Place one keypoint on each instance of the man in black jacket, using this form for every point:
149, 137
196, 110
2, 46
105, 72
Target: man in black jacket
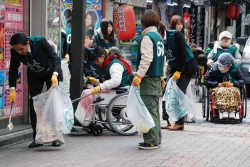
43, 65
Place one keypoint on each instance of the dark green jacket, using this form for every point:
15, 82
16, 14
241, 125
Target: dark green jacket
40, 62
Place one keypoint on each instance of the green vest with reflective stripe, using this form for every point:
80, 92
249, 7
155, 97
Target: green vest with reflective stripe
156, 66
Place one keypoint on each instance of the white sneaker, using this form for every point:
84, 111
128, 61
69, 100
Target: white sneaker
231, 114
224, 115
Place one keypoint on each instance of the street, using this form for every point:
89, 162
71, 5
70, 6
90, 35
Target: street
200, 144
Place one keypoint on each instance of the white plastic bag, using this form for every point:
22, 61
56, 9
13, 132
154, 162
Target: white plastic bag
177, 103
137, 112
65, 84
55, 115
84, 107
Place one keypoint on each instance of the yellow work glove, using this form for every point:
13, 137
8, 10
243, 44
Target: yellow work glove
163, 84
12, 96
92, 80
96, 90
176, 75
136, 81
67, 57
54, 80
107, 51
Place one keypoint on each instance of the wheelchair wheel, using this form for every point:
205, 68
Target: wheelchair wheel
205, 103
244, 102
199, 93
117, 118
96, 129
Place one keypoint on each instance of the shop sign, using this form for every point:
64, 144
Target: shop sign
193, 24
136, 3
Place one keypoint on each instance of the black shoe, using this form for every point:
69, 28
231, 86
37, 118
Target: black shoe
146, 146
33, 144
141, 144
165, 116
56, 144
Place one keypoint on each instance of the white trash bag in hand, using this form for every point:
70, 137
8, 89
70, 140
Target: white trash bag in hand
55, 115
137, 112
177, 103
65, 84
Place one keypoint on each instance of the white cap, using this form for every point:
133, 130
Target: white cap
225, 34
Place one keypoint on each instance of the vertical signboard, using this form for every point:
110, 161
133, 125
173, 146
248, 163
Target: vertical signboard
193, 24
201, 27
11, 21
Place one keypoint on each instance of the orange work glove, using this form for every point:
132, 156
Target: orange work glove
176, 75
96, 90
54, 80
67, 57
163, 84
92, 80
136, 81
12, 96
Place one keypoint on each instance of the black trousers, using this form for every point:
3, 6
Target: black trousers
182, 83
35, 85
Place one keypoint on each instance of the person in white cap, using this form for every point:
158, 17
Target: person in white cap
224, 75
224, 46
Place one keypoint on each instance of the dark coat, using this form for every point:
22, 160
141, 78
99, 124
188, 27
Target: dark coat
42, 60
215, 76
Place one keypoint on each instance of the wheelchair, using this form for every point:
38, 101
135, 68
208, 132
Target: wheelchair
109, 113
210, 111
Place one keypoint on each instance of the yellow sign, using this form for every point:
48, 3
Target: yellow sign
13, 2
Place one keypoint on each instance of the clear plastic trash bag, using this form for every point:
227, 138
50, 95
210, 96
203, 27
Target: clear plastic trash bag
55, 115
137, 112
65, 84
177, 103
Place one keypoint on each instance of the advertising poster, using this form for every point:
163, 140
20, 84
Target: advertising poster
93, 17
18, 106
11, 21
1, 94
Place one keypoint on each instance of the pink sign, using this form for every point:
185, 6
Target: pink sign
11, 21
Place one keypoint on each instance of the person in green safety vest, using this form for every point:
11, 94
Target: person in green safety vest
181, 60
66, 40
224, 46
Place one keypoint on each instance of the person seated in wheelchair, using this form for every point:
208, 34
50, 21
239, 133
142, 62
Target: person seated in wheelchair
225, 79
116, 71
224, 46
93, 74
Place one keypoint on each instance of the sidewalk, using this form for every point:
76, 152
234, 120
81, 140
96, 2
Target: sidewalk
200, 144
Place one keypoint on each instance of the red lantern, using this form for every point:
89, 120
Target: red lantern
233, 12
124, 22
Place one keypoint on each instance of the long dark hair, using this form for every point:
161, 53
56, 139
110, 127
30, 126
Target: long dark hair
104, 29
94, 18
162, 29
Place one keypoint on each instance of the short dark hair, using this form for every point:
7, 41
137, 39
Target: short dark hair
104, 29
18, 38
150, 18
90, 33
67, 13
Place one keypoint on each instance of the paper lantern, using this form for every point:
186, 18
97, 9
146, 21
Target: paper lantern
233, 12
124, 22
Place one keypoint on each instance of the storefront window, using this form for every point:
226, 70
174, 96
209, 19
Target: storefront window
54, 24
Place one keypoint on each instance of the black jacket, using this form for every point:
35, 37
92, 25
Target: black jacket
215, 76
42, 61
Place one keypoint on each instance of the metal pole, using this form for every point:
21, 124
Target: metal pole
179, 8
77, 49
